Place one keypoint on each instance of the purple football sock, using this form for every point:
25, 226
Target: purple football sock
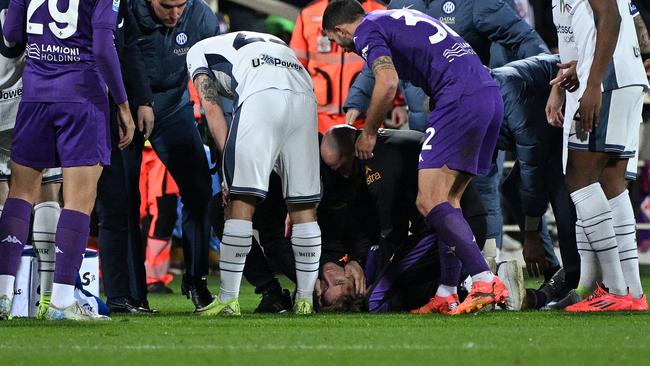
449, 266
14, 233
71, 240
453, 229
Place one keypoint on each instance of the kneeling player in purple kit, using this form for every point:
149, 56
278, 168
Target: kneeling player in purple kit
467, 111
62, 121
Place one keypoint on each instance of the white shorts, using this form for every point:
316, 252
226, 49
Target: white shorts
274, 130
618, 131
620, 120
8, 111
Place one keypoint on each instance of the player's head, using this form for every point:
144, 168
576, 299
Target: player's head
337, 148
340, 20
337, 291
169, 12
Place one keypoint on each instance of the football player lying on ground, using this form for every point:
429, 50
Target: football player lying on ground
389, 181
461, 140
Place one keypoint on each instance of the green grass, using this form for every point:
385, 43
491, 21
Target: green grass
177, 337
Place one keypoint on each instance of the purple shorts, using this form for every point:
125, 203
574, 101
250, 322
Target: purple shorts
463, 134
49, 135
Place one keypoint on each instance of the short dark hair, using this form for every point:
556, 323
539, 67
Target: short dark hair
345, 304
342, 12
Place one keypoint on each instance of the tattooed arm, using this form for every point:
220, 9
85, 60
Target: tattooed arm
209, 97
643, 33
386, 81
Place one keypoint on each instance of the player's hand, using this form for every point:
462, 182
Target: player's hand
534, 254
399, 117
351, 116
647, 68
126, 125
590, 108
365, 145
569, 78
224, 194
145, 120
554, 105
288, 226
353, 269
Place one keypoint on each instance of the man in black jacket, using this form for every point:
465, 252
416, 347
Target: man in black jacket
118, 201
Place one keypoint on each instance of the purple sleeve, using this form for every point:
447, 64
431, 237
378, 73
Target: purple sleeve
14, 27
108, 64
370, 42
105, 14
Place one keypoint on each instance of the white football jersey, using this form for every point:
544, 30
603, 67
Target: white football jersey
576, 27
244, 63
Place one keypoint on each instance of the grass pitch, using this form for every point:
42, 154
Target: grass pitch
175, 337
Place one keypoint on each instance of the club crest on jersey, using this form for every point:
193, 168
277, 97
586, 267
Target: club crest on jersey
449, 7
633, 9
116, 5
181, 38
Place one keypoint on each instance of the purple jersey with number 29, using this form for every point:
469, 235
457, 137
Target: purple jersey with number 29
425, 52
60, 66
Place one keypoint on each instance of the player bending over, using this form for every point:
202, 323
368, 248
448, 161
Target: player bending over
274, 128
463, 125
62, 121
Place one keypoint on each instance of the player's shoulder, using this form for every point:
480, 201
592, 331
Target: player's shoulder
199, 10
400, 138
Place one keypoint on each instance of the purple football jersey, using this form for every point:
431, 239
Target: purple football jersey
425, 52
60, 66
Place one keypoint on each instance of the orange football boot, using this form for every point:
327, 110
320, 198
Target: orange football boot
483, 294
439, 305
640, 304
601, 300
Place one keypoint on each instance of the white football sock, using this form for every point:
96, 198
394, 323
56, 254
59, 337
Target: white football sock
7, 285
486, 276
625, 229
593, 210
46, 217
589, 266
444, 290
306, 243
235, 246
62, 295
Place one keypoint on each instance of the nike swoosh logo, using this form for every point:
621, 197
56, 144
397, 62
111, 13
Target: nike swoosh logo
573, 134
121, 24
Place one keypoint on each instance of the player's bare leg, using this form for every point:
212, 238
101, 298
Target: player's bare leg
584, 171
46, 217
236, 243
14, 229
306, 243
79, 193
438, 200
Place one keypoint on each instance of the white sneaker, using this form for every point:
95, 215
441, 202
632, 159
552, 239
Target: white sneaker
73, 312
5, 307
512, 275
